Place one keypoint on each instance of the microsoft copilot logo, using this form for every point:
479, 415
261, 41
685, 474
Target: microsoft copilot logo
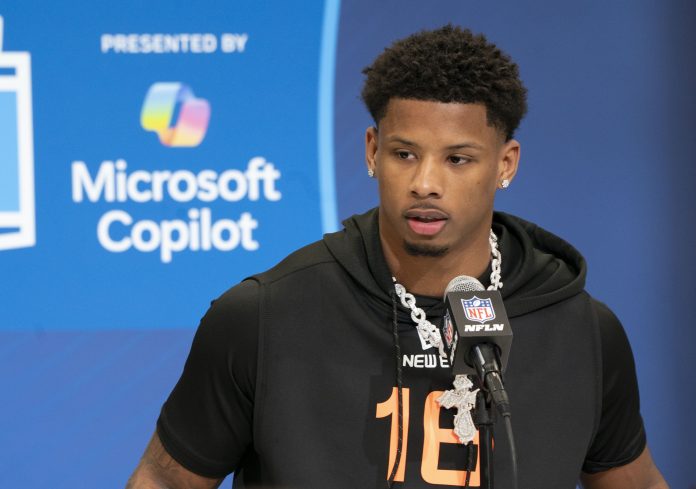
173, 112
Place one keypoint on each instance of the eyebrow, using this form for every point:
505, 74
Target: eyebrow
406, 142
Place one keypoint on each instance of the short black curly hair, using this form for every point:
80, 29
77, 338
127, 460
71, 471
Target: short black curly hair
448, 64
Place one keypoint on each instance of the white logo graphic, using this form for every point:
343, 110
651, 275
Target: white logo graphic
17, 219
118, 231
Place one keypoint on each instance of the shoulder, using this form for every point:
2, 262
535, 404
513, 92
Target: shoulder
240, 300
226, 341
611, 332
618, 366
305, 259
619, 436
239, 305
205, 424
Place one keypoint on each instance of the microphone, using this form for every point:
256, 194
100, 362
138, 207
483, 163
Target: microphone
477, 336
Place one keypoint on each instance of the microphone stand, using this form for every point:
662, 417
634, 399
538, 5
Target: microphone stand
483, 419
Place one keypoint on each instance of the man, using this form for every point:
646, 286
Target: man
313, 374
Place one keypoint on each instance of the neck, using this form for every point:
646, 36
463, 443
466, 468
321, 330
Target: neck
428, 276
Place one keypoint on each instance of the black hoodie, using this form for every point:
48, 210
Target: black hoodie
291, 379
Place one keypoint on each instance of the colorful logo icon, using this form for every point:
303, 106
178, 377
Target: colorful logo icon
479, 310
172, 111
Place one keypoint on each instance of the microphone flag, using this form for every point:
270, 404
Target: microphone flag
473, 318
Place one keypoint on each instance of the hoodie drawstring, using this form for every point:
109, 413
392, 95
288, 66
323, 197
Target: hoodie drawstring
399, 387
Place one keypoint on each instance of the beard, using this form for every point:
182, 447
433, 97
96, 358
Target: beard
418, 249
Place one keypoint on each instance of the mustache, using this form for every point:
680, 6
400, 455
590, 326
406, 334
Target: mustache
425, 209
424, 206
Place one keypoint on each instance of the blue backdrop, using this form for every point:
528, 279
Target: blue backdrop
146, 208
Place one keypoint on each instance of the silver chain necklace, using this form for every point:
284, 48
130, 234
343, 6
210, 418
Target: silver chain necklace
461, 397
427, 332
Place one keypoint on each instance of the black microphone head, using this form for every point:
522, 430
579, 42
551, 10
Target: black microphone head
474, 316
463, 283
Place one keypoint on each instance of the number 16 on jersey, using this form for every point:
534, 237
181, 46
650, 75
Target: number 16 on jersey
433, 438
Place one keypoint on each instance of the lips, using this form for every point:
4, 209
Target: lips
426, 222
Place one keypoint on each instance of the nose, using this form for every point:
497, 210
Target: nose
427, 179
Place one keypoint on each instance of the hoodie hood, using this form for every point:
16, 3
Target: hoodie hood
538, 268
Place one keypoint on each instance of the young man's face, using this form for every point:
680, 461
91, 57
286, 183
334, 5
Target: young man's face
438, 166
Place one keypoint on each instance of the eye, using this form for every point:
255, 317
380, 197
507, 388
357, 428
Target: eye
458, 160
402, 154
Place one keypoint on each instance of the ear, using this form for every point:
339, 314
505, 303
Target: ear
371, 148
508, 161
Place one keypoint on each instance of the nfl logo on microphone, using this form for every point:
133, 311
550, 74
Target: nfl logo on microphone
479, 310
